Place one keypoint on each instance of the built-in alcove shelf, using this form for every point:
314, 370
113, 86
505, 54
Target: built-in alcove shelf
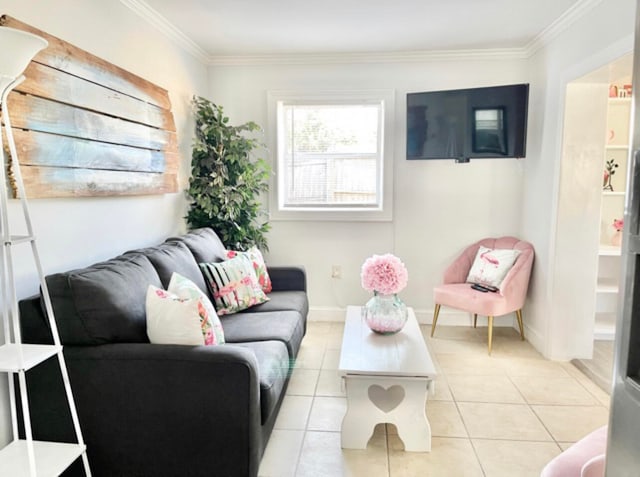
609, 250
614, 165
605, 326
616, 147
607, 286
620, 100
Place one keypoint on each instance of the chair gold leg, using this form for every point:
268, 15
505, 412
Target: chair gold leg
519, 316
436, 311
490, 332
475, 319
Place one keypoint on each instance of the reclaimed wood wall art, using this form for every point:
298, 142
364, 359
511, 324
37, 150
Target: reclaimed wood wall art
85, 127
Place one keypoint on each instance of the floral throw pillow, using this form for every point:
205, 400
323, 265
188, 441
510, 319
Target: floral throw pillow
259, 266
491, 266
187, 290
175, 320
233, 284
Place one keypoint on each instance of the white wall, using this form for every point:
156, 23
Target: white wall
77, 232
601, 35
439, 206
579, 198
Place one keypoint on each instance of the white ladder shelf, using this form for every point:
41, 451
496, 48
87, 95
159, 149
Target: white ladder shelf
27, 457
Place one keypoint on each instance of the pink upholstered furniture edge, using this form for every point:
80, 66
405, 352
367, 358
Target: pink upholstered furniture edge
585, 458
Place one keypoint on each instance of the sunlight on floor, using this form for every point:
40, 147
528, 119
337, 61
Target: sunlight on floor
503, 415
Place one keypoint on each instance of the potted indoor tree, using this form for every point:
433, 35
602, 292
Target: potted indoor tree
226, 179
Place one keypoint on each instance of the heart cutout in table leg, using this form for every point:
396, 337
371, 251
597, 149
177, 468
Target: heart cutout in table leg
386, 399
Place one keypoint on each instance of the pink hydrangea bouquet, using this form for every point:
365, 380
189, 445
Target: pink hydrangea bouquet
384, 274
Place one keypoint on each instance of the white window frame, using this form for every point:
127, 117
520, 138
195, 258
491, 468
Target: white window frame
380, 212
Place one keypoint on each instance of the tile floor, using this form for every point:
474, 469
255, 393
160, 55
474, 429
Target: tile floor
600, 367
504, 415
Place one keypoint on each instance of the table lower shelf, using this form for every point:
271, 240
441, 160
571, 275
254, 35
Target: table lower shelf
52, 458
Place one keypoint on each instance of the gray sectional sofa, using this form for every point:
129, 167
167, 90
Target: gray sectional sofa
163, 410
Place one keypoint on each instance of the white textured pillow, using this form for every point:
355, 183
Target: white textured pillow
492, 265
186, 317
187, 290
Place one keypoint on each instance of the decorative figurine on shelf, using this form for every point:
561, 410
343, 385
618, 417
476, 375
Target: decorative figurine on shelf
613, 91
616, 238
609, 170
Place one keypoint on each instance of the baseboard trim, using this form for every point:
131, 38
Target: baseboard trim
535, 338
424, 317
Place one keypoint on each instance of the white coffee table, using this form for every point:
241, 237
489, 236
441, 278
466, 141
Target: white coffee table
387, 378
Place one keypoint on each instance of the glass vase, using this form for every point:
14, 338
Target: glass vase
616, 238
385, 314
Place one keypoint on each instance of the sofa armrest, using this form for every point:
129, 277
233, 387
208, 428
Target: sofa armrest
288, 278
160, 410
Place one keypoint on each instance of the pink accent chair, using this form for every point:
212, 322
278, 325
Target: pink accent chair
456, 293
585, 458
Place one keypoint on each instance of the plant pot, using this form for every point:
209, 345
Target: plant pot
385, 314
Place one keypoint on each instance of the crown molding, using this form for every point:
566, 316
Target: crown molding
568, 18
562, 23
369, 57
142, 9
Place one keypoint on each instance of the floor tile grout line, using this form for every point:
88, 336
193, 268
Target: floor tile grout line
328, 344
299, 458
585, 388
466, 429
475, 451
473, 446
306, 425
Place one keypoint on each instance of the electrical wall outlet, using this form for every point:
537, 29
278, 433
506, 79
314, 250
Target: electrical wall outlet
336, 271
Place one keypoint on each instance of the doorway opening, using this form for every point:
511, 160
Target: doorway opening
604, 161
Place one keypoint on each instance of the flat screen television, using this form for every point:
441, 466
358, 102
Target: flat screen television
464, 124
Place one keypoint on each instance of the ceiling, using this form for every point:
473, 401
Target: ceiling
227, 28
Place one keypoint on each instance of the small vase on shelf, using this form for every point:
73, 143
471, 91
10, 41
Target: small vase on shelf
385, 314
616, 238
609, 170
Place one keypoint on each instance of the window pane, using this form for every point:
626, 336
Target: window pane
331, 155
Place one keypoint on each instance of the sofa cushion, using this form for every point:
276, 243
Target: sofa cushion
172, 257
462, 297
285, 300
284, 326
204, 244
103, 303
273, 367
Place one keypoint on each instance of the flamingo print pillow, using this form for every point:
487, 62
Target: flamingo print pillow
259, 266
491, 266
233, 284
